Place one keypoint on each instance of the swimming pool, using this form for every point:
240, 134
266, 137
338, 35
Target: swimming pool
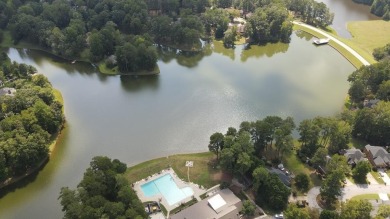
166, 186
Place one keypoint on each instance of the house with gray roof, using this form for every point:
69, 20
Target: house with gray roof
378, 156
354, 156
222, 205
7, 91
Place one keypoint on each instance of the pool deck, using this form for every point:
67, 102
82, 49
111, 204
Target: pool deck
160, 198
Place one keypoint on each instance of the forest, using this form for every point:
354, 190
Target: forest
102, 193
123, 33
29, 118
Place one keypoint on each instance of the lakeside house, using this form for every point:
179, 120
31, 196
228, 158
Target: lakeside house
223, 205
370, 103
354, 156
7, 91
283, 175
378, 156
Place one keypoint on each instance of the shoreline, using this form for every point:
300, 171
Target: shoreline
349, 53
52, 146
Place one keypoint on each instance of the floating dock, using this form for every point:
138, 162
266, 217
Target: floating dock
321, 41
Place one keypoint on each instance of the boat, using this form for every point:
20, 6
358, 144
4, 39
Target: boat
321, 41
74, 61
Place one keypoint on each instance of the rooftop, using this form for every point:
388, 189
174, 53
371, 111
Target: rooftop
7, 91
223, 204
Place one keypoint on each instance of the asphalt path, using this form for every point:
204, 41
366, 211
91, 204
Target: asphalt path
349, 49
348, 192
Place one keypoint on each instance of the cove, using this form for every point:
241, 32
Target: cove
139, 118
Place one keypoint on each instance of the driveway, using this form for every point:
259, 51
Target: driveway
371, 179
348, 192
384, 176
349, 49
312, 197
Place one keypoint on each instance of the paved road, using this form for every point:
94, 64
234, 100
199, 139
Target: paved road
349, 49
348, 192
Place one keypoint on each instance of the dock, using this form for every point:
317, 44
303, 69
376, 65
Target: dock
321, 41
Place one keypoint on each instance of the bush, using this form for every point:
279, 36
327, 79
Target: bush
224, 185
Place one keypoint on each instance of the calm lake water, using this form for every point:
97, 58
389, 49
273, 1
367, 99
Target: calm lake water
136, 119
346, 11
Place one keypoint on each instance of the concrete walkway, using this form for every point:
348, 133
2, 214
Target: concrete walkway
349, 49
348, 192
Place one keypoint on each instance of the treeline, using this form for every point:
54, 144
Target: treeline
382, 53
370, 82
96, 30
102, 193
28, 118
380, 8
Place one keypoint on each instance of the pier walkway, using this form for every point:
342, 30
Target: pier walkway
349, 49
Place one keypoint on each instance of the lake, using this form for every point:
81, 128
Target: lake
136, 119
346, 11
139, 118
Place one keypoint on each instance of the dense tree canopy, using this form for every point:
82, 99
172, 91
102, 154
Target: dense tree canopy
356, 209
269, 24
373, 124
370, 82
270, 190
27, 119
382, 53
102, 193
359, 173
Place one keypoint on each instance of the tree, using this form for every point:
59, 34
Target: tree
331, 187
216, 143
319, 158
356, 209
329, 214
269, 24
372, 124
359, 173
102, 193
293, 212
248, 209
229, 38
384, 91
383, 211
338, 163
270, 190
309, 133
302, 182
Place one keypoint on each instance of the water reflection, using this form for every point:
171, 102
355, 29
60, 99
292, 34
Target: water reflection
183, 58
303, 35
267, 50
134, 83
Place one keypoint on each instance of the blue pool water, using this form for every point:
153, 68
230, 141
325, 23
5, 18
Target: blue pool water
166, 186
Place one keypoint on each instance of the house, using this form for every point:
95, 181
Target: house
378, 156
223, 205
283, 175
7, 91
370, 103
354, 156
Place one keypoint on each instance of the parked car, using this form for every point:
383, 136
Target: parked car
279, 216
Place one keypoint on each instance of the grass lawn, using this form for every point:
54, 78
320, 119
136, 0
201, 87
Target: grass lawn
366, 197
357, 143
202, 173
377, 177
354, 61
369, 35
